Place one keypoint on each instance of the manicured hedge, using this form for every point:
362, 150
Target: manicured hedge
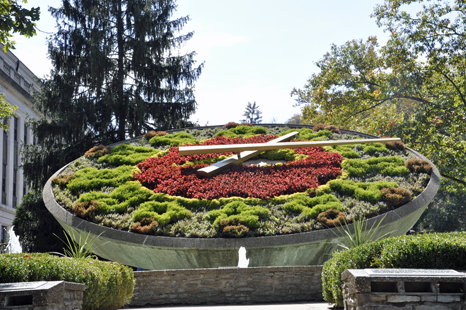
108, 285
429, 251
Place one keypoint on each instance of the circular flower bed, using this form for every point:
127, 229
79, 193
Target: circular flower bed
146, 188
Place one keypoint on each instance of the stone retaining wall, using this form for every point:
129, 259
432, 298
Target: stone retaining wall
227, 286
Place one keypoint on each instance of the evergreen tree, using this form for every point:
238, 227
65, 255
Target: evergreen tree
252, 114
116, 75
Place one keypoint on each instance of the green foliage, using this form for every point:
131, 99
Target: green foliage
432, 251
88, 179
242, 131
6, 110
363, 191
174, 139
280, 154
246, 215
16, 19
412, 88
346, 151
130, 194
362, 234
373, 148
308, 134
163, 212
78, 248
126, 154
109, 285
392, 166
311, 207
35, 225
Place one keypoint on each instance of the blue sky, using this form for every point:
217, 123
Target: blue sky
254, 50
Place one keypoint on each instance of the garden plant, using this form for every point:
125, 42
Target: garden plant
145, 186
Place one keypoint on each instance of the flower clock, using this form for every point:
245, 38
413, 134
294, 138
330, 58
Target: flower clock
147, 187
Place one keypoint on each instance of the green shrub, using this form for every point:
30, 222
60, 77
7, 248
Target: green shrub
372, 148
109, 285
163, 212
391, 166
130, 194
311, 207
246, 215
242, 131
280, 154
175, 139
126, 154
308, 134
432, 251
363, 191
346, 151
92, 178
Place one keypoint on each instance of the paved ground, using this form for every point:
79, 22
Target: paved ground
297, 306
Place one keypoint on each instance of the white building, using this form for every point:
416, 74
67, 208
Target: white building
17, 83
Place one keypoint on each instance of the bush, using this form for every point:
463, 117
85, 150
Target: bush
391, 166
370, 191
86, 208
234, 124
396, 145
432, 251
145, 226
332, 128
419, 165
126, 154
372, 148
331, 218
396, 196
109, 285
242, 131
97, 151
93, 179
63, 179
152, 133
179, 138
312, 207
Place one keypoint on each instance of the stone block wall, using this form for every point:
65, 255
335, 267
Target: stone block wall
53, 295
227, 286
422, 290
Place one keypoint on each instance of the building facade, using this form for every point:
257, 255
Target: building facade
17, 83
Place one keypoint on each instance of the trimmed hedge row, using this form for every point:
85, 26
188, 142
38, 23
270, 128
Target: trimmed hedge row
430, 251
109, 285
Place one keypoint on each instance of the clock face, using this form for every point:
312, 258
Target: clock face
174, 174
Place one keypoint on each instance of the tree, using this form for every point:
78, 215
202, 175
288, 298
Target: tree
414, 87
15, 19
252, 114
295, 119
115, 75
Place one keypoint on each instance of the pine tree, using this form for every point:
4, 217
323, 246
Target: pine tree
252, 114
116, 74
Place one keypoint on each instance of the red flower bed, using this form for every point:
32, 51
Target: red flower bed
161, 175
